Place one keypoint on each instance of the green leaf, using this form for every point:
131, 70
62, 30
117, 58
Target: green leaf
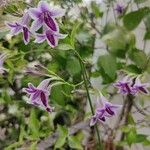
58, 97
123, 38
140, 138
131, 137
138, 57
133, 19
108, 63
147, 35
133, 69
74, 143
148, 65
73, 66
64, 47
63, 133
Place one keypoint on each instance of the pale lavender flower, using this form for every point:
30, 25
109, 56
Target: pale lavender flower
21, 26
99, 116
51, 37
140, 87
119, 9
110, 108
2, 59
43, 14
124, 85
105, 111
38, 96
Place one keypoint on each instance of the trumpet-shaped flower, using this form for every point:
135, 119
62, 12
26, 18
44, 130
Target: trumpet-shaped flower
2, 59
107, 110
43, 14
38, 96
51, 37
21, 26
124, 85
140, 87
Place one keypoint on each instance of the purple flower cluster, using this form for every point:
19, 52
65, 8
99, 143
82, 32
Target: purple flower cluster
131, 86
106, 111
43, 17
38, 96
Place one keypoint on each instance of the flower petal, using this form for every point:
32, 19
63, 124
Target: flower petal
34, 13
25, 19
57, 12
43, 6
26, 35
51, 23
39, 38
44, 84
44, 99
102, 119
35, 96
36, 25
51, 39
10, 25
144, 90
14, 27
93, 120
31, 86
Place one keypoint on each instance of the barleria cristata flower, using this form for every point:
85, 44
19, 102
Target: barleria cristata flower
124, 85
21, 26
140, 87
51, 37
38, 96
107, 110
43, 14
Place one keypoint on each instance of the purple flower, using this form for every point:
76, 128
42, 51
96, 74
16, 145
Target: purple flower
140, 87
38, 96
110, 108
43, 14
119, 9
51, 37
124, 85
21, 26
107, 110
2, 58
99, 116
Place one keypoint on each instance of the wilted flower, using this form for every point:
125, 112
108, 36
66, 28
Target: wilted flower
2, 58
119, 9
140, 87
21, 26
43, 14
124, 85
51, 37
106, 110
38, 96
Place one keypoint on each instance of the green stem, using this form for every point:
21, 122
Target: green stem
85, 79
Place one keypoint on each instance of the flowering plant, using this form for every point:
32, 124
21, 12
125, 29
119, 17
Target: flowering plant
74, 75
